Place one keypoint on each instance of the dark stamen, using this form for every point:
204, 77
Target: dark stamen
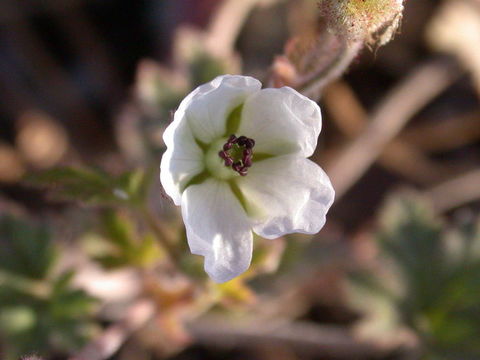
250, 143
240, 156
237, 166
242, 140
223, 154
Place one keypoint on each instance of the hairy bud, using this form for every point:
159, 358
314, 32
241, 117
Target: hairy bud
371, 21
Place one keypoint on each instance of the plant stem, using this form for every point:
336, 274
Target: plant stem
313, 87
161, 234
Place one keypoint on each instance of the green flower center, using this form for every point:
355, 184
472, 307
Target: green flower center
237, 153
234, 158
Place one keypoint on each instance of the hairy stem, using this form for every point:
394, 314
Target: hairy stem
314, 86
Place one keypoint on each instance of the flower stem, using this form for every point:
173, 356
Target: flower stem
161, 234
335, 69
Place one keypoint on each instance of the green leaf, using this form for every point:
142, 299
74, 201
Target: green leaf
62, 283
118, 230
125, 246
84, 185
94, 187
204, 68
25, 249
57, 320
435, 270
111, 261
147, 252
135, 184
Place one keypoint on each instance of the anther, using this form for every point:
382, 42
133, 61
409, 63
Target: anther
237, 153
237, 166
242, 140
250, 143
223, 154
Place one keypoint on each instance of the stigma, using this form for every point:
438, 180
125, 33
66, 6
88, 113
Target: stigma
237, 153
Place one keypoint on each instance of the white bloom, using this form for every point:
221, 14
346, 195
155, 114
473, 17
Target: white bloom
281, 192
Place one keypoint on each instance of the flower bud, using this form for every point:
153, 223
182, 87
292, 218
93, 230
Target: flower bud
372, 21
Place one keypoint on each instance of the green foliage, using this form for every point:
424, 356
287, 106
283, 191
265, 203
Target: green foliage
428, 280
54, 319
94, 187
167, 95
25, 250
204, 68
121, 246
39, 313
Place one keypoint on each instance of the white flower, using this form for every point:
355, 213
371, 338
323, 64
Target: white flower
281, 192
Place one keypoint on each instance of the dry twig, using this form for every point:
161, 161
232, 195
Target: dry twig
304, 337
113, 337
455, 192
398, 156
445, 135
417, 90
227, 24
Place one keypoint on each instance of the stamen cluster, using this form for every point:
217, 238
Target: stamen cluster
240, 164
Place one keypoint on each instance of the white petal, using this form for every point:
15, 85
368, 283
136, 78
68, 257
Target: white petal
218, 229
182, 160
294, 193
210, 104
281, 121
203, 113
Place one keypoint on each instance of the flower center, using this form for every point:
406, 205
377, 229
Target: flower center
237, 153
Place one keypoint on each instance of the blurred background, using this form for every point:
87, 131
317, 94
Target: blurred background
93, 257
